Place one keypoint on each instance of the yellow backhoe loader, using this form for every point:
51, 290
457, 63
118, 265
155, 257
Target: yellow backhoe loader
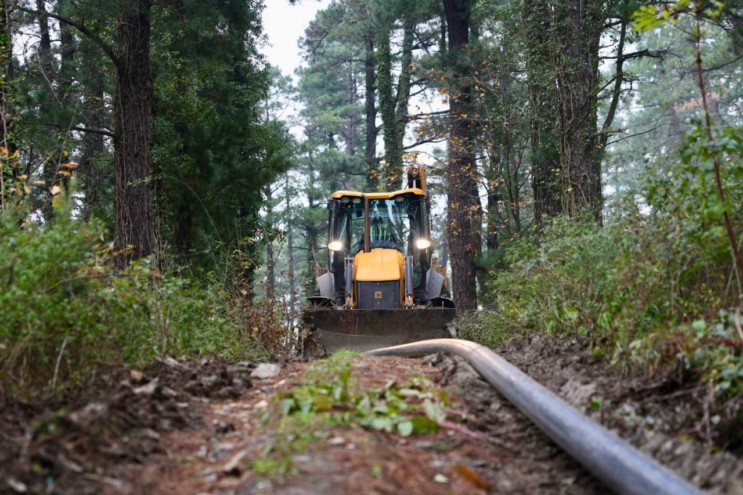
381, 288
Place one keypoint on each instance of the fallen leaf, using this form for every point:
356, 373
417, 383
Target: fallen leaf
470, 475
233, 465
440, 478
16, 485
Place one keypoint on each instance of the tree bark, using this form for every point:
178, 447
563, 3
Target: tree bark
290, 247
581, 25
68, 50
464, 238
562, 41
270, 258
402, 97
271, 270
44, 57
134, 233
92, 175
351, 123
6, 121
44, 52
372, 174
392, 155
543, 100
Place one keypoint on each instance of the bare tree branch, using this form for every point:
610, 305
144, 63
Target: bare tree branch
108, 49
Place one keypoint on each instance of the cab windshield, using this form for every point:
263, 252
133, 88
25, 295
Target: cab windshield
394, 223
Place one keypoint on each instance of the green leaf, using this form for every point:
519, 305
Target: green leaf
321, 402
405, 428
423, 425
571, 313
287, 405
646, 18
699, 326
382, 423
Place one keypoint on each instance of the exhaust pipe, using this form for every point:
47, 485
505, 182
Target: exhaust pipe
620, 466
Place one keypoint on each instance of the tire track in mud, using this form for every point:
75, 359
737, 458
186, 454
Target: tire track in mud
496, 450
532, 463
193, 428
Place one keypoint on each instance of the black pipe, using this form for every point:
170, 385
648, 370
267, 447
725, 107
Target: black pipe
620, 466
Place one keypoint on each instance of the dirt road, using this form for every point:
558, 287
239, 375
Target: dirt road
349, 425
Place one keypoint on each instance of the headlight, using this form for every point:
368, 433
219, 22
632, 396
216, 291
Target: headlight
335, 246
423, 244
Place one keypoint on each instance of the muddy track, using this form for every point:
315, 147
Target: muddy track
211, 428
494, 450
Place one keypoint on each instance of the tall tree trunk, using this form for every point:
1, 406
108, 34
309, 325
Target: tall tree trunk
372, 174
91, 171
392, 155
6, 56
270, 258
271, 270
494, 200
44, 52
290, 247
464, 239
581, 24
46, 68
402, 98
442, 33
6, 75
543, 100
183, 234
351, 122
133, 116
68, 50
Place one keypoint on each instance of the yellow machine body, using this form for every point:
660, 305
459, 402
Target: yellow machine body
381, 288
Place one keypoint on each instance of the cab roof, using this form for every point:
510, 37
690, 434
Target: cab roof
377, 195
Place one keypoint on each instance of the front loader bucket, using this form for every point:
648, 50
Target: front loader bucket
331, 329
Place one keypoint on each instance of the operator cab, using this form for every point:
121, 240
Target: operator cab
398, 221
381, 236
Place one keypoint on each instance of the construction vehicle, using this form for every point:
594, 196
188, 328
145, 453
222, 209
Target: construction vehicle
381, 288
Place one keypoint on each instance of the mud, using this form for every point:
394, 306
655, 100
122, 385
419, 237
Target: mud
490, 448
205, 427
532, 463
79, 443
666, 414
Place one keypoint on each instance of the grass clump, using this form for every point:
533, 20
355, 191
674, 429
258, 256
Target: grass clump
412, 407
331, 398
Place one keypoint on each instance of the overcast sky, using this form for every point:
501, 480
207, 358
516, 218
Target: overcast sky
284, 24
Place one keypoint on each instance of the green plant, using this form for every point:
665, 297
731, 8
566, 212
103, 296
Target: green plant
331, 398
414, 407
708, 146
629, 286
65, 313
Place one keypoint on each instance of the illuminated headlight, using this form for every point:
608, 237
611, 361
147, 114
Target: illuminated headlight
423, 244
335, 246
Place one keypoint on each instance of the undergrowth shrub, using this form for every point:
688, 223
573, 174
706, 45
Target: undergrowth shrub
66, 315
656, 285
